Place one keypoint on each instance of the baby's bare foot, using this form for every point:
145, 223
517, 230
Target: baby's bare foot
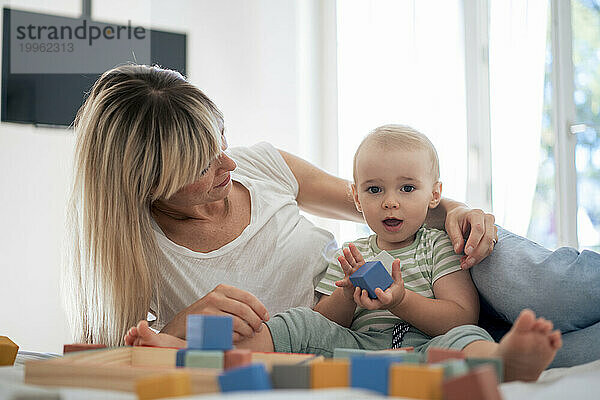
142, 335
529, 347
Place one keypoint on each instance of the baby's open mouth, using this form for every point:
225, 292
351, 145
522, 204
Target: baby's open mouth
392, 221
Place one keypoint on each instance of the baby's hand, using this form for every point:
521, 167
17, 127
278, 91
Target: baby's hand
350, 262
387, 299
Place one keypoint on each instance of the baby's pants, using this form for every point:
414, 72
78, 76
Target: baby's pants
302, 330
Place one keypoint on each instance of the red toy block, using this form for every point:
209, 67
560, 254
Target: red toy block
436, 355
481, 384
237, 358
70, 348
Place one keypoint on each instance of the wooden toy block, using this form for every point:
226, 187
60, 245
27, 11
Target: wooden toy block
71, 348
180, 358
480, 383
416, 381
407, 349
329, 374
209, 332
473, 362
270, 359
454, 368
291, 376
250, 377
153, 356
370, 276
436, 355
8, 351
370, 373
166, 385
204, 359
237, 358
400, 357
347, 353
113, 369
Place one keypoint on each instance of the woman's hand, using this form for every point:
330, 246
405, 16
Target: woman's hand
350, 262
387, 299
247, 311
479, 226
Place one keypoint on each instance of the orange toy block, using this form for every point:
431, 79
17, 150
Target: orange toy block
8, 351
436, 355
329, 374
416, 381
70, 348
160, 386
237, 358
481, 384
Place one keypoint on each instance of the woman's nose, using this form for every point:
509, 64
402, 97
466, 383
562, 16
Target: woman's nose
226, 162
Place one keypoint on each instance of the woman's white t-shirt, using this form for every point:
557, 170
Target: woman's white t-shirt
280, 256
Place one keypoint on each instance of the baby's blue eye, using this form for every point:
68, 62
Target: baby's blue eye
374, 189
408, 188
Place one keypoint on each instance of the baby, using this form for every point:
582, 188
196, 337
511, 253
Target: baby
432, 302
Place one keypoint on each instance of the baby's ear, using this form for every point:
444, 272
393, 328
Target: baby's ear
436, 195
355, 197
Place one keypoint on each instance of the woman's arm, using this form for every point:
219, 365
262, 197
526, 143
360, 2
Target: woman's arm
456, 303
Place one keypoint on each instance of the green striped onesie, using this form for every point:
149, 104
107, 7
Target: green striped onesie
427, 259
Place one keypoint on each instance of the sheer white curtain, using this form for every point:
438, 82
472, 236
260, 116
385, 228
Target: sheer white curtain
517, 54
402, 61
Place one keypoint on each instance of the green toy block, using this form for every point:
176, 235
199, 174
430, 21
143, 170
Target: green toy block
347, 353
204, 359
454, 368
495, 362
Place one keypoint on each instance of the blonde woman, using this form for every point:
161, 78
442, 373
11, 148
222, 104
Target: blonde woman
165, 221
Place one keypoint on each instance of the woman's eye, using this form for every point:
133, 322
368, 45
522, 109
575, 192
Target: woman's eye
205, 170
408, 188
374, 189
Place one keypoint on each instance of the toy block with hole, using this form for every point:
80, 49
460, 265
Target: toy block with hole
237, 358
416, 381
370, 373
480, 383
291, 376
8, 351
454, 368
209, 332
436, 355
250, 377
71, 348
204, 359
330, 374
166, 385
473, 362
370, 276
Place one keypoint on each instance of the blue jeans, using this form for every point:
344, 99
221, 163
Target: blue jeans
562, 286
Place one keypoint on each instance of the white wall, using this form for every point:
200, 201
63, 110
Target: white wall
259, 62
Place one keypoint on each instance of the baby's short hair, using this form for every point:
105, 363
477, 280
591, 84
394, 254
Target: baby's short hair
404, 138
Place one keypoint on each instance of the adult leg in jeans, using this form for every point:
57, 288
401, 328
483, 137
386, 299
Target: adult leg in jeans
562, 286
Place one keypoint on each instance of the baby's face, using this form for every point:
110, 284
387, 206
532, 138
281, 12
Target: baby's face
394, 189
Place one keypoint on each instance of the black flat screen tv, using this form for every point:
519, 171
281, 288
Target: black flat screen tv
50, 62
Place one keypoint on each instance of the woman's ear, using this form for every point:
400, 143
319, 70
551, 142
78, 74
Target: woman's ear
355, 197
436, 195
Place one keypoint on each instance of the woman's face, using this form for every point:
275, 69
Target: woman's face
214, 185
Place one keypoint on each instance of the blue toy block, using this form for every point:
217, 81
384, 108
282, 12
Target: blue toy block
209, 332
370, 276
251, 377
180, 358
370, 373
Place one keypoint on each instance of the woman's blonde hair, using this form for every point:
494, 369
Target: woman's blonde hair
142, 134
401, 137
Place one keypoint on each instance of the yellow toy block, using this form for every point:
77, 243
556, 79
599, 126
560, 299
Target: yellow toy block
8, 351
161, 386
416, 381
329, 374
